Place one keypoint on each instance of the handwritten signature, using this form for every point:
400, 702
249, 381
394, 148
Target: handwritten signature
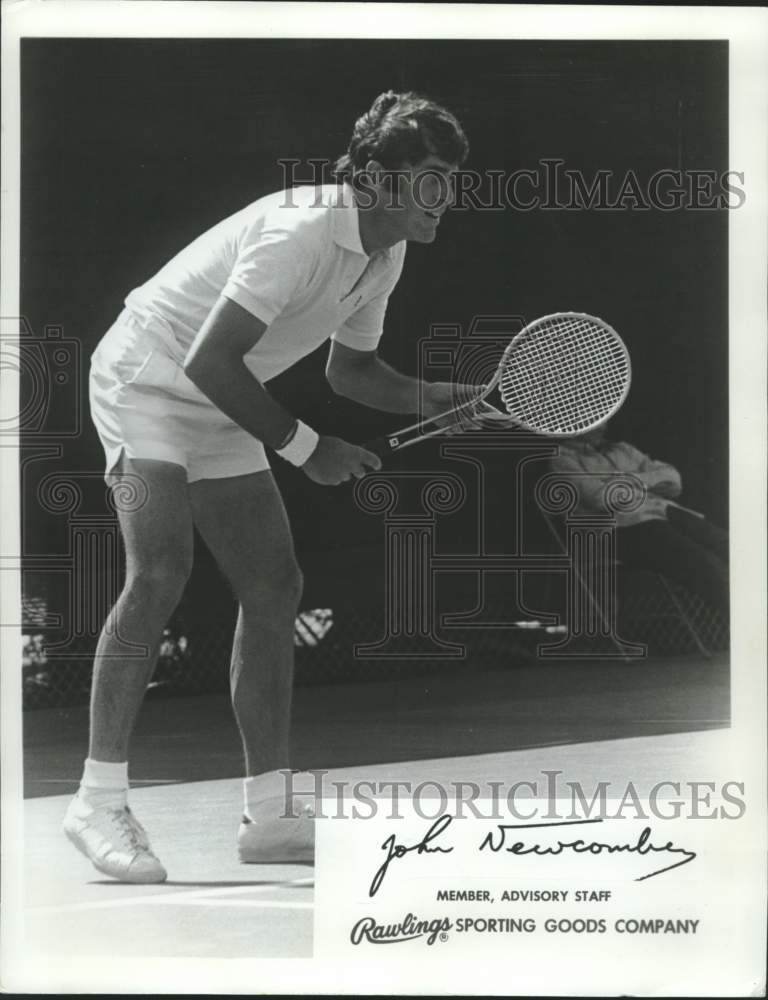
500, 839
395, 850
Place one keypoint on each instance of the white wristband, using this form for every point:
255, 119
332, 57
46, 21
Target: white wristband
301, 446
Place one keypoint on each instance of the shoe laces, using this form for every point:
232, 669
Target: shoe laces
141, 832
127, 828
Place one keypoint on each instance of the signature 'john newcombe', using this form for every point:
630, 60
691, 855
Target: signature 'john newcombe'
501, 839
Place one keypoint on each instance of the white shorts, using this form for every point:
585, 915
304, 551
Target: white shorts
144, 406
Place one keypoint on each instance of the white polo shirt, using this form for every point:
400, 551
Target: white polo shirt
294, 260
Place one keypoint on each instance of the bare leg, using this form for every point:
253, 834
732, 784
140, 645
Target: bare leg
158, 546
244, 524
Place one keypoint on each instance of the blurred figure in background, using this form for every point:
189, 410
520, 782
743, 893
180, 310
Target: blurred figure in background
661, 534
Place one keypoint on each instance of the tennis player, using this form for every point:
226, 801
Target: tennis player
178, 397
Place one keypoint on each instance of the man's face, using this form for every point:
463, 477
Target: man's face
424, 191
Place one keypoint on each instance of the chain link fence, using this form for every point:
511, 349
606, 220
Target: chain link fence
194, 653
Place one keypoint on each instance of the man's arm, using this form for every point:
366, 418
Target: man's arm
661, 478
590, 485
363, 377
215, 363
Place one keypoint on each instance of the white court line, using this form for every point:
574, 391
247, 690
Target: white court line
263, 904
178, 899
251, 887
201, 897
722, 724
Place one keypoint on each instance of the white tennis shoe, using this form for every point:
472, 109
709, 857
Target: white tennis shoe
269, 837
114, 841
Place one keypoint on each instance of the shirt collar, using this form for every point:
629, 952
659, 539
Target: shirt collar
346, 224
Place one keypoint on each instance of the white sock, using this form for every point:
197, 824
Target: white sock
104, 783
276, 785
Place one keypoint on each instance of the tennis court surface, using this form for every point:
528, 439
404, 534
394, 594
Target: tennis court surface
595, 722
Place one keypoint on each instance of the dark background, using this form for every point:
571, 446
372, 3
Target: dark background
132, 148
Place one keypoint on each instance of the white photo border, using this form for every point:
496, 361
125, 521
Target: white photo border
746, 30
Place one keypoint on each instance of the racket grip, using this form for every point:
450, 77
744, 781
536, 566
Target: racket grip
382, 446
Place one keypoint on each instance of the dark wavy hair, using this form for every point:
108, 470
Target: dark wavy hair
402, 128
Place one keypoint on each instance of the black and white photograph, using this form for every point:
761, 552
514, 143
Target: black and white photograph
383, 534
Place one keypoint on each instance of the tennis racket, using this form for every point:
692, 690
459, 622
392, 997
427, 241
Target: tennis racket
561, 376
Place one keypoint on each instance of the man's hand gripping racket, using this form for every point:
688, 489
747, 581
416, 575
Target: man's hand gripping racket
561, 376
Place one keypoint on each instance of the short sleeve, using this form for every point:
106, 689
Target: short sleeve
270, 268
363, 329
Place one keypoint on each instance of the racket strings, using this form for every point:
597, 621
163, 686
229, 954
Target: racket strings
564, 375
573, 404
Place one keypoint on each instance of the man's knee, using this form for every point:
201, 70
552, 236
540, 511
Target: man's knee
160, 580
281, 586
288, 582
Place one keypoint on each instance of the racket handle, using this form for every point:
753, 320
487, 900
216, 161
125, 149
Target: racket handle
388, 443
383, 446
